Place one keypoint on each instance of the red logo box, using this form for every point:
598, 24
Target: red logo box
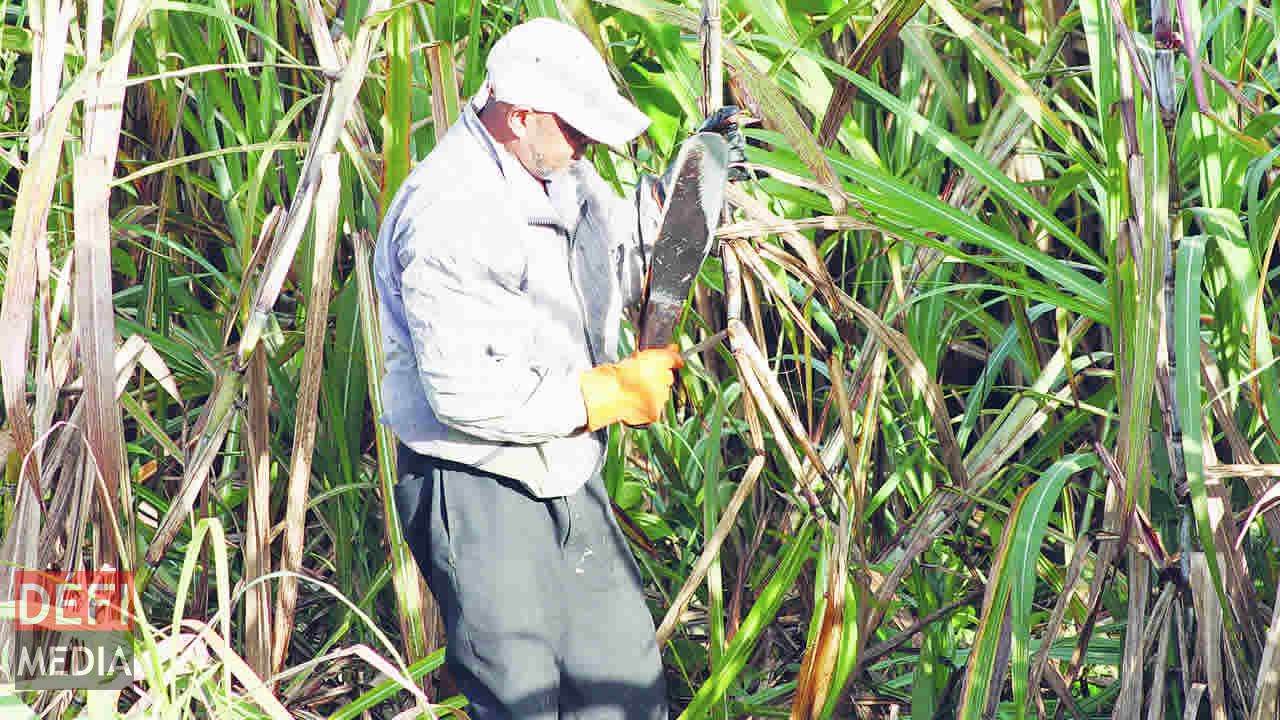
85, 601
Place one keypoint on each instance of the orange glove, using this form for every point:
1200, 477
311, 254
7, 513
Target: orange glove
632, 391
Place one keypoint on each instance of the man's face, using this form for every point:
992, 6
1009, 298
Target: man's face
548, 145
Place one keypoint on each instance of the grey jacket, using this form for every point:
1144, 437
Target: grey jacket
493, 297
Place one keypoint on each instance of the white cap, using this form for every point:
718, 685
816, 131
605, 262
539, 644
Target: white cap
551, 67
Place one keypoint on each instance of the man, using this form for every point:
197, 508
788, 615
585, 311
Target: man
502, 269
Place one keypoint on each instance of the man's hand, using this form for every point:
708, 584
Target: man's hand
632, 391
726, 122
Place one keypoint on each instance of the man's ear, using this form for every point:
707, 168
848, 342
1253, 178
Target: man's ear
518, 120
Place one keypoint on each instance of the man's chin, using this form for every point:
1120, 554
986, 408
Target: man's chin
546, 175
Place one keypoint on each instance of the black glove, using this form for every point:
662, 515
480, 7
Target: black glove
724, 122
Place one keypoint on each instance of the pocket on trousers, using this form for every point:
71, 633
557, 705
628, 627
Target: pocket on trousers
433, 548
442, 550
423, 512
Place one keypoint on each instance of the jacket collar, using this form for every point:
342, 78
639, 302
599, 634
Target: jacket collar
558, 206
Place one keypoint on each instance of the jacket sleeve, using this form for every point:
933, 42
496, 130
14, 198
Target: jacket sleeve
468, 322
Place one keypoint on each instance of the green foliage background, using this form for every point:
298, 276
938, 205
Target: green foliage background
994, 432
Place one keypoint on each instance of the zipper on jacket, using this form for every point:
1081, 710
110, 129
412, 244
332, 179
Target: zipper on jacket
572, 237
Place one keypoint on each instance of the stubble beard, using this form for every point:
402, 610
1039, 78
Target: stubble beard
541, 168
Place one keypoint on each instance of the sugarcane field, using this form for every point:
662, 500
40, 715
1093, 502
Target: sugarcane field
640, 359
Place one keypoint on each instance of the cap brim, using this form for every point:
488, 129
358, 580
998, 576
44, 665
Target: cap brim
614, 121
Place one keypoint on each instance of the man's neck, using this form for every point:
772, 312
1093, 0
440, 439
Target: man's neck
494, 120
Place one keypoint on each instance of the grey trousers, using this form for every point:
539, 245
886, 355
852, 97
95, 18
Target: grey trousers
541, 599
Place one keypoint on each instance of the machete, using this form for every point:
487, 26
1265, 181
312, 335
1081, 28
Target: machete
695, 193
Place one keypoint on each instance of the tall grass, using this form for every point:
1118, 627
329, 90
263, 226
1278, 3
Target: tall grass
994, 432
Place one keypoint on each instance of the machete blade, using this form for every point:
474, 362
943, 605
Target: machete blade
695, 193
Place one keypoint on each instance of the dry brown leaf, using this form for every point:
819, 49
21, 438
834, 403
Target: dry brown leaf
336, 106
757, 229
711, 551
305, 427
256, 544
